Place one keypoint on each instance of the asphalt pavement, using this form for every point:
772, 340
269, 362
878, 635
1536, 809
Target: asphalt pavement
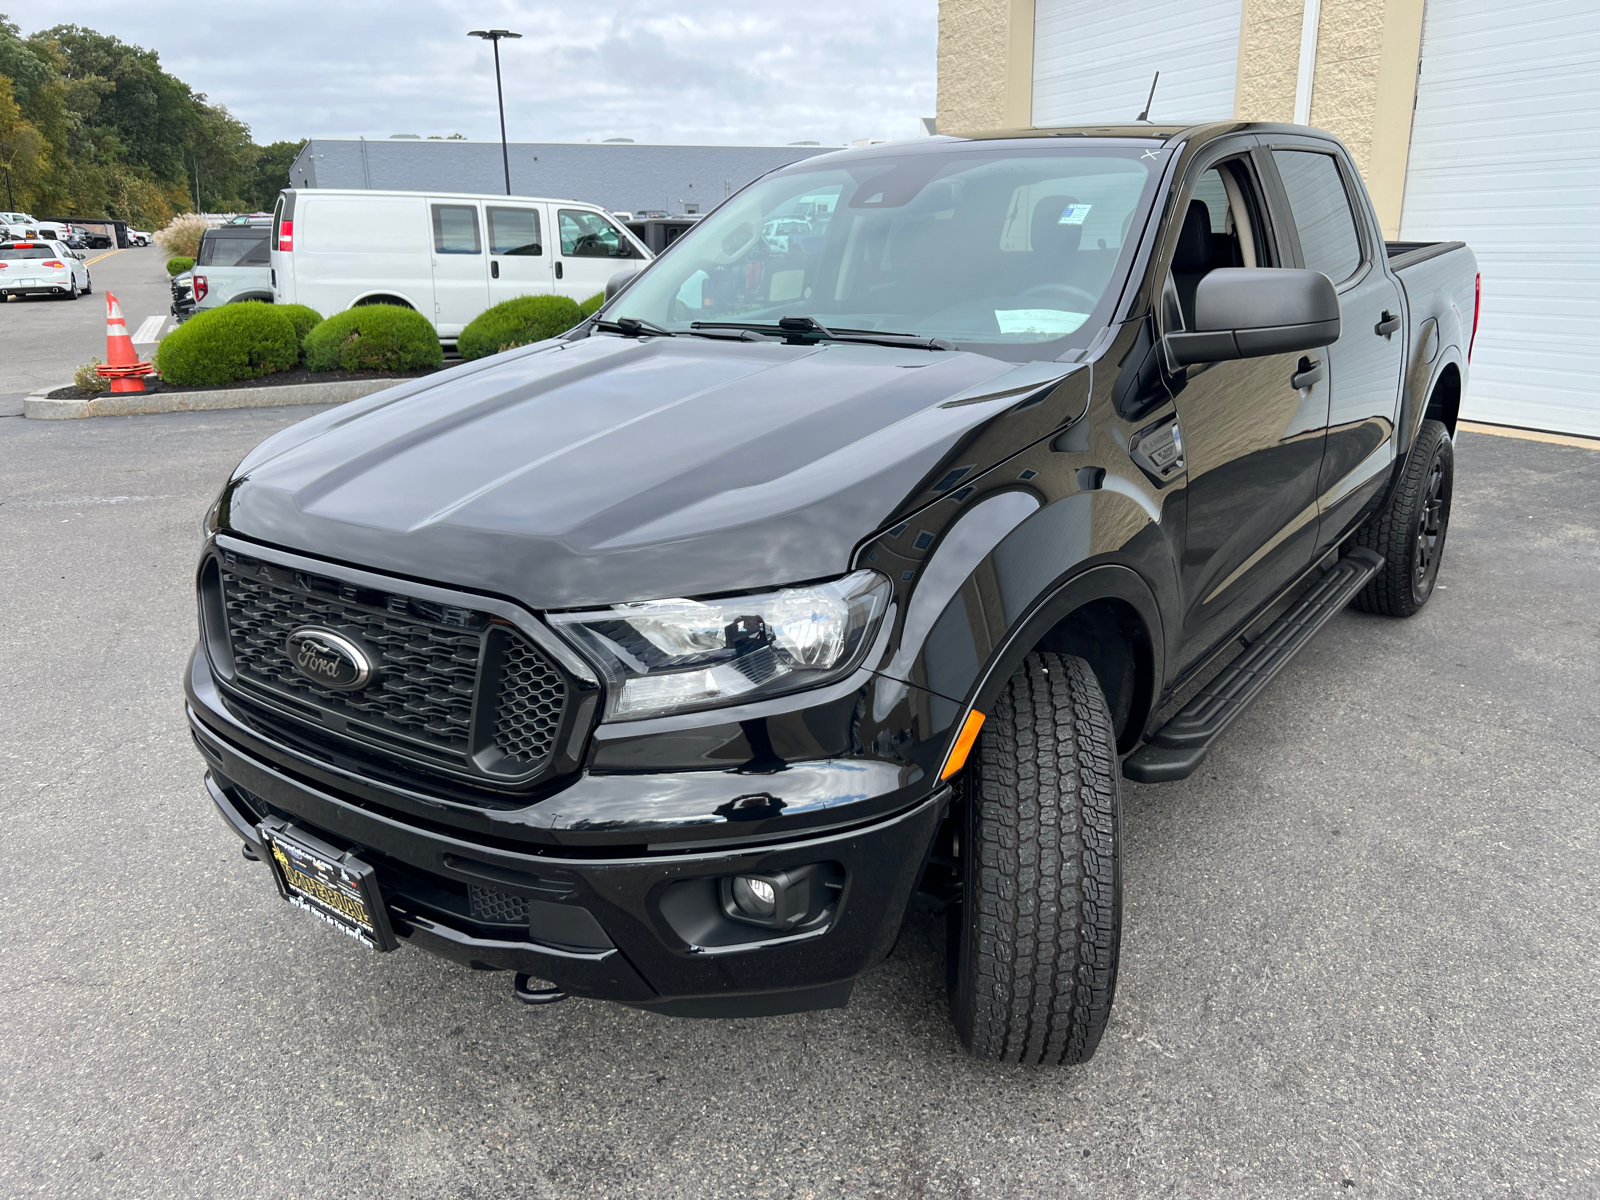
1359, 955
46, 338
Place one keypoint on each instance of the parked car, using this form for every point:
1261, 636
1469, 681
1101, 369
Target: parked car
15, 225
448, 256
664, 662
231, 264
139, 237
42, 269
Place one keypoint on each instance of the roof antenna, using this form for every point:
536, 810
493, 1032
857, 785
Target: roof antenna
1145, 115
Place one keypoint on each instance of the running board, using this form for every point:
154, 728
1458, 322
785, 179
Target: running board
1178, 748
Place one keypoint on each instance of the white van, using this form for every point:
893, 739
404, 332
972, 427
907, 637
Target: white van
449, 256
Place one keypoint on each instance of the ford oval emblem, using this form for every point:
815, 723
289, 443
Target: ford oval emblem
328, 658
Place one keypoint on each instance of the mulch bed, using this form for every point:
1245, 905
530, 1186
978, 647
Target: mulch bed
153, 383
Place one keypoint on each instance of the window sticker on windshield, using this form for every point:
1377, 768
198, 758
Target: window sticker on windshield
1074, 214
1046, 322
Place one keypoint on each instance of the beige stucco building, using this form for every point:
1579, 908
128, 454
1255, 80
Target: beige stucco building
1475, 120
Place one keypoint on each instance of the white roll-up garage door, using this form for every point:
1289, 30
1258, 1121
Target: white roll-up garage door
1505, 155
1093, 61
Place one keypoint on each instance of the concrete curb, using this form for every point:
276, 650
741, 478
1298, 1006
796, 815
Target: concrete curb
39, 406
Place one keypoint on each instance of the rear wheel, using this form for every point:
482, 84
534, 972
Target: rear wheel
1035, 939
72, 292
1410, 530
88, 284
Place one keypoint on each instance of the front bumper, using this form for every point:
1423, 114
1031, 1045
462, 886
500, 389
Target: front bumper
637, 923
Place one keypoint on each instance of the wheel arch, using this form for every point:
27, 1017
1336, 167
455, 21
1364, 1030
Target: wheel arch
381, 298
1107, 615
1444, 397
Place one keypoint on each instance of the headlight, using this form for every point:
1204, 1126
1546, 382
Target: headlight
669, 655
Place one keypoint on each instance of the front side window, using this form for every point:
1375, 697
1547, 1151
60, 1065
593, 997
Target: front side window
1322, 216
1011, 249
455, 229
514, 231
589, 235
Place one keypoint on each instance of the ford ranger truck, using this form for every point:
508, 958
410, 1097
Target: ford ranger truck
665, 662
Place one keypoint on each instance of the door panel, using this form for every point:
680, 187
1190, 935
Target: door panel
1252, 443
519, 259
1365, 363
460, 267
589, 251
1254, 447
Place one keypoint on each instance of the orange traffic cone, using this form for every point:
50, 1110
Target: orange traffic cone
122, 365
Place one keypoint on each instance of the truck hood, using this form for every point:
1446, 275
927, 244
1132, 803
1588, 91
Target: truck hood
605, 470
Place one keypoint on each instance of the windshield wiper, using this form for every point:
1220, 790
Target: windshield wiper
801, 329
633, 327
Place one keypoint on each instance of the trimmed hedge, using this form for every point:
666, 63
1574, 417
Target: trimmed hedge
302, 317
178, 264
517, 322
228, 343
592, 305
373, 337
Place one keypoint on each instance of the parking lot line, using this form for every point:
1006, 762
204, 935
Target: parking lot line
150, 330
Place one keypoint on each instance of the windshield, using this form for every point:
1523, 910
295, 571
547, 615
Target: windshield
233, 251
1011, 251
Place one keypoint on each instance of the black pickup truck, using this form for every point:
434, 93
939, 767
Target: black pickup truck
665, 662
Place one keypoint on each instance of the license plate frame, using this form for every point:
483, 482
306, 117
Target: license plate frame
330, 884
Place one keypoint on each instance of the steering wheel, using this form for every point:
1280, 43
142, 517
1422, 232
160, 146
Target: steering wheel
1044, 289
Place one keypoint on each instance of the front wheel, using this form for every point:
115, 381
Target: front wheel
1410, 529
1035, 939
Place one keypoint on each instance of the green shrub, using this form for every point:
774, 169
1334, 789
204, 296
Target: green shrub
302, 317
517, 323
221, 345
179, 264
85, 377
592, 305
374, 337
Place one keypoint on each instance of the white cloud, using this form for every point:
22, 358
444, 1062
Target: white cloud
714, 71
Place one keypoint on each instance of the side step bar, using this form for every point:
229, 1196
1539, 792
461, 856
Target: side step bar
1178, 748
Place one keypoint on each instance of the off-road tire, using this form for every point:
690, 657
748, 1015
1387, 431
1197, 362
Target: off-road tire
1035, 938
1409, 531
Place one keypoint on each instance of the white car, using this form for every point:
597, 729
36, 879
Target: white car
39, 268
138, 237
449, 256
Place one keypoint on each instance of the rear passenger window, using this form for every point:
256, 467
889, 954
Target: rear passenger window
1322, 216
455, 229
514, 231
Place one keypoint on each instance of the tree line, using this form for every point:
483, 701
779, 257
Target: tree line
91, 126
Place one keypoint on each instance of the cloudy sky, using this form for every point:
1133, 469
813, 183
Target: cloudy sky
715, 71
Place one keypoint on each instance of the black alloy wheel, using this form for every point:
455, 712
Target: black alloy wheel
1409, 531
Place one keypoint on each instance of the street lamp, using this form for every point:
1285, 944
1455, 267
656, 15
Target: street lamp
494, 35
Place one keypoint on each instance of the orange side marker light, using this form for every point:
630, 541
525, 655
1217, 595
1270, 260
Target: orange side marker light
963, 747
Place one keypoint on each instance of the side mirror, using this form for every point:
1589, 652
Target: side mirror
618, 282
1251, 312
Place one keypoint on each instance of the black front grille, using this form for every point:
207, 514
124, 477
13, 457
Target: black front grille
424, 678
497, 908
449, 686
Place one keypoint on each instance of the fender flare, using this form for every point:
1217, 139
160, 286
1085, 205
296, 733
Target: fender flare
1103, 581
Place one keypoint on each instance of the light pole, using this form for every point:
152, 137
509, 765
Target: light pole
494, 35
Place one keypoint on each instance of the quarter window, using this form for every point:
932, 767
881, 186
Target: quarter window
589, 235
455, 229
514, 231
1322, 216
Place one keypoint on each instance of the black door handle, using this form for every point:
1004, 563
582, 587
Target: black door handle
558, 268
494, 269
1310, 372
1387, 325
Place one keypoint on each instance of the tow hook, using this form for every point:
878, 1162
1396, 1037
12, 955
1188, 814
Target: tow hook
532, 995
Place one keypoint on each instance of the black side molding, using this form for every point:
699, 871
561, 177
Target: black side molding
1178, 748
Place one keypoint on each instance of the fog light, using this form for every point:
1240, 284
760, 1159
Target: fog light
754, 897
782, 899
